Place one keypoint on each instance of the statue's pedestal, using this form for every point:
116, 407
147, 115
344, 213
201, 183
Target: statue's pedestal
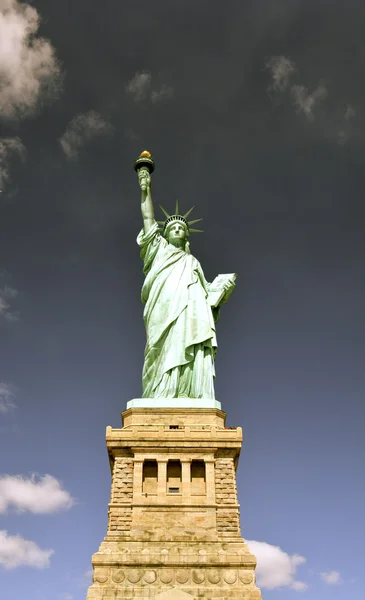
173, 526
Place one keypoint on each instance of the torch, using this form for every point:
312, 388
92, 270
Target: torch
144, 165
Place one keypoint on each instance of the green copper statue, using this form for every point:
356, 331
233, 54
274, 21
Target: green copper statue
181, 307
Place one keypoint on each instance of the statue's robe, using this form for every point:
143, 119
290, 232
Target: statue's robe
180, 328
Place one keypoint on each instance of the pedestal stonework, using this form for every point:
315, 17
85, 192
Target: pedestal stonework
173, 523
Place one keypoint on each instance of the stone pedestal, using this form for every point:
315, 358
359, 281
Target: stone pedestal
173, 526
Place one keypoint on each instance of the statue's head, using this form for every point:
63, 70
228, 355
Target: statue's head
176, 228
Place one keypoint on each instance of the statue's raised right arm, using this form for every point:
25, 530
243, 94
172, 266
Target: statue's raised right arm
148, 217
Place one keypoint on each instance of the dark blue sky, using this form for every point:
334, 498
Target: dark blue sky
254, 112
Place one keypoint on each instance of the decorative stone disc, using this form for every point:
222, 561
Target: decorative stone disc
198, 576
214, 576
230, 576
182, 576
245, 576
149, 577
101, 576
133, 576
118, 576
166, 575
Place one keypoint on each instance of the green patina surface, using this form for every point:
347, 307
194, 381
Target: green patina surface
181, 306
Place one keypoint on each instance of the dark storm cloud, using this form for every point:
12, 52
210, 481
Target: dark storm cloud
253, 112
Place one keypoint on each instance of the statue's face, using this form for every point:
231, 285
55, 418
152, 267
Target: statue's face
176, 234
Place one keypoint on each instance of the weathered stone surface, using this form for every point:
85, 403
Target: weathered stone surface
173, 527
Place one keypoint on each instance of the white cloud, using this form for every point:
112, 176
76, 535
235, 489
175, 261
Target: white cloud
15, 551
6, 398
67, 596
140, 88
281, 69
80, 130
299, 586
9, 148
331, 577
39, 495
276, 568
304, 101
7, 294
29, 70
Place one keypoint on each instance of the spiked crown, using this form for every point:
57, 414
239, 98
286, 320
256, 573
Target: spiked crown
179, 219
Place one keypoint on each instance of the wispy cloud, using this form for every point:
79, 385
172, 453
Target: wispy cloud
10, 148
7, 398
39, 495
348, 128
15, 552
81, 130
304, 101
29, 69
275, 567
281, 68
7, 294
141, 87
331, 577
87, 578
162, 93
350, 112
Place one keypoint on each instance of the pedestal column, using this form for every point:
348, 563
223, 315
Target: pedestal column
161, 479
186, 478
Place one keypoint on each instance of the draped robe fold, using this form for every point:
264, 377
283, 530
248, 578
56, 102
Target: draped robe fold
180, 329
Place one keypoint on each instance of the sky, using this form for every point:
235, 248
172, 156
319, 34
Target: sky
254, 113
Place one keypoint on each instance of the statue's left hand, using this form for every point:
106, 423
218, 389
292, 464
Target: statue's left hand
229, 285
228, 288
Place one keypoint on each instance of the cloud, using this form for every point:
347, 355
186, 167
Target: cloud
139, 85
15, 551
304, 101
331, 577
82, 129
85, 579
281, 69
39, 495
29, 69
6, 398
7, 294
140, 88
276, 568
9, 148
161, 94
350, 112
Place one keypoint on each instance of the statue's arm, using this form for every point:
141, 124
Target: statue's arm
146, 200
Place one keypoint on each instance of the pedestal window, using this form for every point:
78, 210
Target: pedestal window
174, 477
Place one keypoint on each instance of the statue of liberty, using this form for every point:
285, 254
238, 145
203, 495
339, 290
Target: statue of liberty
181, 307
